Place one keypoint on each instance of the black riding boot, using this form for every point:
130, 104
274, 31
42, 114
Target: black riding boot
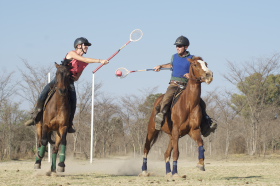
207, 124
36, 114
73, 101
70, 127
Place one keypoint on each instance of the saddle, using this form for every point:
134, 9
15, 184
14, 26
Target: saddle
175, 97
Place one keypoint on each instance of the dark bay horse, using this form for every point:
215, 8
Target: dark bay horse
185, 118
56, 117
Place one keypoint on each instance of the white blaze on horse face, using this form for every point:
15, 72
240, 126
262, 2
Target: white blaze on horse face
208, 72
203, 65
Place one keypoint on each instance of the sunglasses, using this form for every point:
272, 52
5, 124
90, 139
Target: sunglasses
179, 46
87, 44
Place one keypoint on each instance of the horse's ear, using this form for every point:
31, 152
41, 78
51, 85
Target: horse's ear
198, 58
191, 60
56, 65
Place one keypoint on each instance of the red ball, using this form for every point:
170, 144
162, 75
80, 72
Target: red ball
118, 73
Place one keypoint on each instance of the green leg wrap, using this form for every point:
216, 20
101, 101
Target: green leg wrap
53, 168
62, 155
42, 151
37, 158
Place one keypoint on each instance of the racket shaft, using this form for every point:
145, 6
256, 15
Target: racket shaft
154, 69
149, 70
111, 56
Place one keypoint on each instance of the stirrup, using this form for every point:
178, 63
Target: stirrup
213, 126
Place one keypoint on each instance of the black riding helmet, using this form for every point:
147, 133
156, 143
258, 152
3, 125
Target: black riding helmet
81, 40
182, 40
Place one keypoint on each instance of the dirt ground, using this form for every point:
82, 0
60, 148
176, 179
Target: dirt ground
124, 171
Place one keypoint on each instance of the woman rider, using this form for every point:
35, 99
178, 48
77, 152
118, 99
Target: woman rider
78, 62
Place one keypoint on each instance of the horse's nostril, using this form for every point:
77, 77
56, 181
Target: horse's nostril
209, 74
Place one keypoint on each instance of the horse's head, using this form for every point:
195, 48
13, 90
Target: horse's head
199, 70
63, 78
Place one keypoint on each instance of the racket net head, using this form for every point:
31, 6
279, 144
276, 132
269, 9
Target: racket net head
121, 72
136, 35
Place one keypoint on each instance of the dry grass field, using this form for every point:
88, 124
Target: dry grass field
238, 170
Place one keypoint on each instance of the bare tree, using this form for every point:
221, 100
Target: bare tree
7, 88
105, 116
14, 138
220, 107
136, 111
251, 79
83, 115
34, 79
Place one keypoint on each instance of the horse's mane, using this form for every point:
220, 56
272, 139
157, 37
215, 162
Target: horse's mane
68, 68
197, 58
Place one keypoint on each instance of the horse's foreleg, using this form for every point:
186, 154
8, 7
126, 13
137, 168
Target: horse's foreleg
42, 142
60, 138
39, 134
55, 151
175, 145
167, 156
201, 158
196, 136
62, 155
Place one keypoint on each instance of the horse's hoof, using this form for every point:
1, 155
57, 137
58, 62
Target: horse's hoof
37, 166
54, 174
51, 173
60, 169
48, 173
144, 174
177, 176
168, 175
200, 167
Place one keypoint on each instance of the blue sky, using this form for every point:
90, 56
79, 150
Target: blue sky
42, 32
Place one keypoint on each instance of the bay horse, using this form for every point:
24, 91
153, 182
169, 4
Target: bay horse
56, 116
183, 118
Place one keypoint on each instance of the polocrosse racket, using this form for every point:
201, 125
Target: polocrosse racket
135, 35
123, 72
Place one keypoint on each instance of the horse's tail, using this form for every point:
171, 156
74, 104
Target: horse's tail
157, 134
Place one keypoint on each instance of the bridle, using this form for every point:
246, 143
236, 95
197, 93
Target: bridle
197, 79
63, 92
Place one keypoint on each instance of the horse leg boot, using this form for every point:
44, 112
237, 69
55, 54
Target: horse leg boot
207, 125
36, 114
73, 102
201, 158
